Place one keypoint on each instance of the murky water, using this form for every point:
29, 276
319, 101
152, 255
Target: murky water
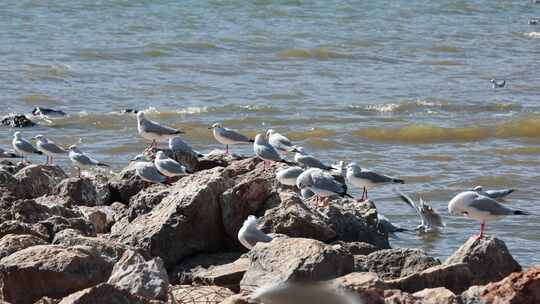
397, 86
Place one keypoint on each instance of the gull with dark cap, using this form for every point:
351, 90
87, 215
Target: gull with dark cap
266, 151
322, 183
153, 131
494, 194
228, 136
168, 166
49, 148
366, 179
308, 161
249, 234
147, 171
481, 208
81, 160
431, 220
23, 146
280, 142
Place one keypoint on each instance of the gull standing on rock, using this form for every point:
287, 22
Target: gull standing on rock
280, 142
81, 160
6, 154
431, 220
481, 208
249, 234
23, 146
308, 161
168, 166
321, 183
266, 151
366, 179
228, 137
288, 176
147, 171
494, 194
49, 148
153, 131
176, 144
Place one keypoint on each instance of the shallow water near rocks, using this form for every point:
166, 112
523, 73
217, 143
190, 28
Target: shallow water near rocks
400, 87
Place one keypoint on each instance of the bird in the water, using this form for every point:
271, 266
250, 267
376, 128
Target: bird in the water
494, 194
168, 166
228, 136
322, 183
366, 179
309, 161
288, 176
249, 234
534, 21
267, 152
385, 226
497, 83
481, 208
81, 160
49, 148
23, 146
153, 131
431, 220
46, 112
280, 142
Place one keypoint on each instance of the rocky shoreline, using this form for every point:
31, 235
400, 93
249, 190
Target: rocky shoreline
108, 240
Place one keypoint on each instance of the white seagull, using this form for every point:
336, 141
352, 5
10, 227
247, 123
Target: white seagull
49, 148
228, 137
280, 142
176, 144
366, 179
497, 83
168, 166
431, 220
249, 234
153, 131
481, 208
322, 183
288, 176
266, 151
81, 160
147, 171
309, 161
23, 146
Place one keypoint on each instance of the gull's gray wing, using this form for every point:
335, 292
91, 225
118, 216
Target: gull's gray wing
233, 135
312, 162
486, 204
327, 182
374, 177
149, 126
266, 151
83, 159
253, 236
495, 194
280, 142
149, 172
24, 145
172, 166
53, 148
429, 215
291, 172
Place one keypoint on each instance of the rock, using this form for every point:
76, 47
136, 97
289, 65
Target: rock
49, 270
97, 217
183, 273
294, 260
14, 242
105, 294
367, 285
488, 259
472, 295
396, 263
8, 181
38, 180
237, 299
144, 201
455, 277
357, 248
294, 219
186, 222
187, 294
125, 184
30, 211
517, 288
15, 227
439, 295
78, 191
47, 300
56, 224
228, 275
16, 121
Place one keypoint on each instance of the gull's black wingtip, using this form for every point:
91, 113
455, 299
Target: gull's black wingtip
519, 212
398, 181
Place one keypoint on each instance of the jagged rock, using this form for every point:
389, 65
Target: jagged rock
237, 299
294, 260
395, 296
97, 217
49, 270
56, 224
488, 259
187, 294
14, 242
8, 181
294, 219
16, 121
78, 191
105, 294
183, 273
228, 275
15, 227
472, 295
439, 295
144, 201
186, 222
38, 180
11, 167
517, 288
455, 277
47, 300
140, 277
367, 285
396, 263
125, 184
357, 248
114, 213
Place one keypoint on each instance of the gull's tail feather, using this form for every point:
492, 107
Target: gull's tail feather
402, 230
398, 181
251, 140
519, 212
102, 165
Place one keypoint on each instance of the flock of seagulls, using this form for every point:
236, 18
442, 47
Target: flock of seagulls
308, 174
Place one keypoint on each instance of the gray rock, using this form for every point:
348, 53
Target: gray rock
78, 191
396, 263
56, 224
187, 294
38, 180
228, 275
97, 217
12, 243
183, 272
105, 294
16, 227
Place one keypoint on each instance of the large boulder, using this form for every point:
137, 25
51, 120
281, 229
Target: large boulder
144, 201
439, 295
50, 270
105, 294
125, 184
228, 275
14, 242
185, 222
184, 272
488, 258
16, 227
187, 294
56, 224
367, 285
517, 288
140, 277
294, 260
38, 180
78, 191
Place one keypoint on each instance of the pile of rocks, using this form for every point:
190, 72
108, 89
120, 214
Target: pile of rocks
108, 240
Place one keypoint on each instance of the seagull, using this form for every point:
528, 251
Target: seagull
81, 160
23, 146
308, 161
6, 154
153, 131
323, 184
339, 168
494, 194
289, 175
385, 226
168, 166
49, 148
302, 293
147, 171
534, 21
249, 234
266, 151
481, 208
46, 112
280, 142
431, 220
363, 178
176, 144
497, 83
228, 136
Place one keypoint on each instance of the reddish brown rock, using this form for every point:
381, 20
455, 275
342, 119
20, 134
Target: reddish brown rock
14, 242
38, 180
517, 288
367, 285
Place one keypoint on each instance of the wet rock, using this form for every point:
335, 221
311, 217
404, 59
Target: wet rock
16, 227
78, 191
187, 221
38, 180
49, 270
140, 277
439, 295
187, 294
228, 275
105, 294
16, 121
294, 260
488, 259
56, 224
396, 263
367, 285
183, 273
97, 217
455, 277
517, 288
14, 242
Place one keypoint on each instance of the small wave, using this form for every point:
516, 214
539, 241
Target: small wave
445, 49
533, 34
313, 133
434, 107
442, 62
519, 151
316, 53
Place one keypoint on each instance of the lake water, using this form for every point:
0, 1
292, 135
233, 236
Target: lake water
401, 87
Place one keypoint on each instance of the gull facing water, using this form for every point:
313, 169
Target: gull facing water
81, 160
366, 179
168, 166
280, 142
23, 146
153, 131
249, 234
228, 137
49, 148
147, 171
